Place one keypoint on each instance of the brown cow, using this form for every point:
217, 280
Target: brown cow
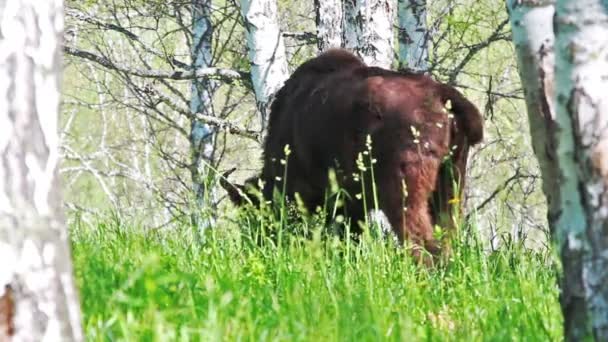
325, 112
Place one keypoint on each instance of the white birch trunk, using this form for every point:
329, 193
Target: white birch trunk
413, 35
38, 299
581, 67
266, 50
368, 30
329, 19
533, 37
570, 141
202, 136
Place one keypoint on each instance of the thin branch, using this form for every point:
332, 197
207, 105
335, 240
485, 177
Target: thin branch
474, 49
305, 36
182, 75
219, 123
101, 25
499, 189
228, 126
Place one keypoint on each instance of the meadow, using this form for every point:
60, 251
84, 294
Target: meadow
230, 284
233, 283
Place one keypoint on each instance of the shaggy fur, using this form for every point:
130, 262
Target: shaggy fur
326, 110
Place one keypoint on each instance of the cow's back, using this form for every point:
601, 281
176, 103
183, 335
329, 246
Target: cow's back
306, 116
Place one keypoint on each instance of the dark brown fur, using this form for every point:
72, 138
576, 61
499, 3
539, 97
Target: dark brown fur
325, 111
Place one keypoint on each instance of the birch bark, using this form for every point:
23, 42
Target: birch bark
368, 30
202, 136
581, 69
266, 50
329, 19
38, 299
413, 35
568, 121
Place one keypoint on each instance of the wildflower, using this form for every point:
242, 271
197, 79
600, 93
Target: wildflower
360, 164
404, 188
448, 105
368, 142
454, 200
415, 134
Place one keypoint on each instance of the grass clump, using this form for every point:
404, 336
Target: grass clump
166, 285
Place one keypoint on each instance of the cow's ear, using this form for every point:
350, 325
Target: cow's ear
465, 113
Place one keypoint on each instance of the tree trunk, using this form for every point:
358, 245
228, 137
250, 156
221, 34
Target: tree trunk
533, 37
202, 136
329, 19
581, 67
266, 52
413, 36
368, 30
568, 137
38, 299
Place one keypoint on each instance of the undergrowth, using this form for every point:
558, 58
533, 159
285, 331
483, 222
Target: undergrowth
170, 285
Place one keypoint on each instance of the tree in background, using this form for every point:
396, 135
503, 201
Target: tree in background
38, 299
368, 30
568, 122
329, 21
151, 83
413, 34
266, 50
127, 118
202, 135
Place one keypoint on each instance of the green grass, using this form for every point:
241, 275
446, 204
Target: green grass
164, 286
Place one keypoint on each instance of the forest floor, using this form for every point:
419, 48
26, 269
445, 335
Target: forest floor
168, 285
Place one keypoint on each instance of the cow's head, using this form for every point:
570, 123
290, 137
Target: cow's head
421, 131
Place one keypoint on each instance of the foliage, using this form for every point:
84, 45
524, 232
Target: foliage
472, 48
164, 285
125, 141
109, 111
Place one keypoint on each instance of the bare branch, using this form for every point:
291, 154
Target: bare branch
93, 21
517, 175
305, 36
182, 75
474, 49
220, 123
228, 126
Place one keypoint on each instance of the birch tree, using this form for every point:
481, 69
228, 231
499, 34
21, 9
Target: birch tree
368, 30
329, 20
150, 76
266, 51
38, 299
413, 35
202, 135
581, 67
568, 124
532, 30
533, 37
